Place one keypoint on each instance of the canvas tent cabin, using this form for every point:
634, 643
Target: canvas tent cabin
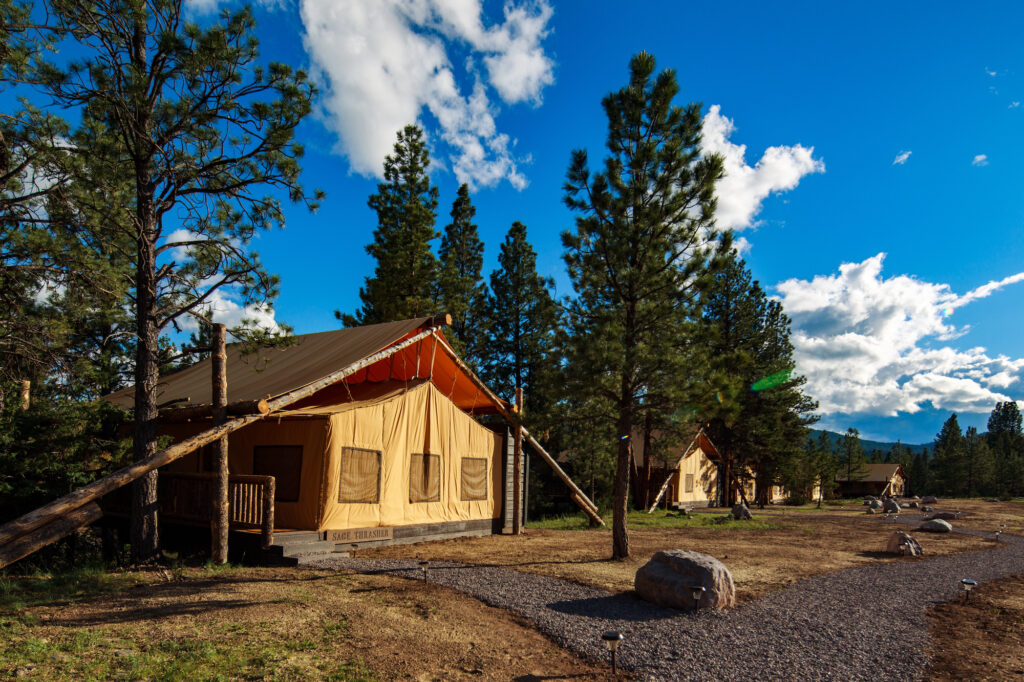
686, 474
873, 479
393, 452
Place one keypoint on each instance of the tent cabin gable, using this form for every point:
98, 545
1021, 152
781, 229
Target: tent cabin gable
873, 479
694, 478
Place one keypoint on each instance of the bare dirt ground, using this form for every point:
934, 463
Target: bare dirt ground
982, 639
987, 516
760, 560
280, 623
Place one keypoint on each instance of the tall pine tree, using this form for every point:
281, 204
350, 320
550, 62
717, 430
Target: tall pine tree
850, 456
1006, 442
460, 286
520, 321
404, 281
640, 252
949, 464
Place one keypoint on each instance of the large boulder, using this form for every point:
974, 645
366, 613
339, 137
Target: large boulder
741, 513
891, 506
945, 515
669, 577
929, 499
936, 526
876, 504
903, 544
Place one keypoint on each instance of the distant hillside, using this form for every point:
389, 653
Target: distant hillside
870, 445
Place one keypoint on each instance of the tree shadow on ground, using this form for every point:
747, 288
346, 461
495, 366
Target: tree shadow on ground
615, 606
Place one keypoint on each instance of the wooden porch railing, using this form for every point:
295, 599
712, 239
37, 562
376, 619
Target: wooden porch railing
188, 498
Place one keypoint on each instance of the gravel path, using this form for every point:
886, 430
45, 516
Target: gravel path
864, 623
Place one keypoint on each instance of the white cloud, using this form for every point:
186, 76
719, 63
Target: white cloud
1014, 104
901, 158
980, 160
990, 72
386, 63
873, 345
743, 188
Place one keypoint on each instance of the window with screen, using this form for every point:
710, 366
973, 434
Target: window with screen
473, 478
425, 478
689, 483
360, 475
284, 463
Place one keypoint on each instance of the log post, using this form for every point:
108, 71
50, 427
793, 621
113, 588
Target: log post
219, 522
517, 466
267, 529
26, 393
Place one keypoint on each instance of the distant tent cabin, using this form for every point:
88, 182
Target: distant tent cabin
873, 479
687, 474
391, 453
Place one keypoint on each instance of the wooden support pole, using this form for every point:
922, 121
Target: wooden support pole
50, 532
517, 466
668, 480
26, 394
176, 415
267, 527
219, 392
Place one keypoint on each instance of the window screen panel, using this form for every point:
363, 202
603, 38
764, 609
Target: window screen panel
425, 478
360, 476
689, 483
284, 463
473, 479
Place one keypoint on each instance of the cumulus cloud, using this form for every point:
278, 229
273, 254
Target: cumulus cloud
386, 63
901, 158
874, 345
1014, 104
744, 187
980, 160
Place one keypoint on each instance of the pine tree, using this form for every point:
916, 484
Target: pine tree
978, 464
185, 120
460, 288
1006, 442
639, 254
404, 280
851, 456
520, 320
949, 465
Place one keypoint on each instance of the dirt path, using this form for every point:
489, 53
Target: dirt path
862, 623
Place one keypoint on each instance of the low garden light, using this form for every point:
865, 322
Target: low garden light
697, 592
611, 640
425, 565
968, 586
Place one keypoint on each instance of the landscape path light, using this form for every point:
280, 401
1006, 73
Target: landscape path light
697, 591
612, 639
425, 565
968, 586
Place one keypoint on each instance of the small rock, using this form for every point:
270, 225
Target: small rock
929, 499
926, 508
904, 505
902, 544
891, 506
914, 505
876, 504
867, 503
936, 526
668, 580
741, 513
870, 510
946, 515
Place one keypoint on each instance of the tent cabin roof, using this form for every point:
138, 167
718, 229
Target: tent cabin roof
875, 473
692, 438
271, 372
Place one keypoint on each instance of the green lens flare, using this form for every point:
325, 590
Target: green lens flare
772, 380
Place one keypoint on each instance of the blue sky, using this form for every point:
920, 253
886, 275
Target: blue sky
880, 181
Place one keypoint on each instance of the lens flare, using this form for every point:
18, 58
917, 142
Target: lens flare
772, 380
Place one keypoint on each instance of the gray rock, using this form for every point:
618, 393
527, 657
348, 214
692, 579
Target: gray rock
741, 513
929, 499
936, 526
668, 580
926, 508
870, 498
904, 505
867, 503
876, 504
891, 506
946, 515
902, 544
914, 505
869, 510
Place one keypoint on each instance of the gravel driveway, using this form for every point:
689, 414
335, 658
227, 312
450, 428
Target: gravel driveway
864, 623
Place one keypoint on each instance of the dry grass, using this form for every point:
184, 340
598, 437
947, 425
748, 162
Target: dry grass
982, 639
276, 623
761, 560
989, 516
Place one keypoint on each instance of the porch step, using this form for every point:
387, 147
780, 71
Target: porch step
295, 548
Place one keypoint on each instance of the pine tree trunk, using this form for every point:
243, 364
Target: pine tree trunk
620, 536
